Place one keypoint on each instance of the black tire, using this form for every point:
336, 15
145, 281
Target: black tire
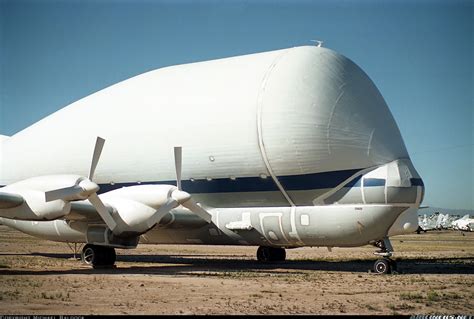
279, 254
268, 254
393, 265
264, 254
107, 256
383, 266
89, 254
111, 256
98, 256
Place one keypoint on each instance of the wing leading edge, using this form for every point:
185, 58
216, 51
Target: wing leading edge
9, 200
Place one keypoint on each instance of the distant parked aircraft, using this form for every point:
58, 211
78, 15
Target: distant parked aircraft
465, 223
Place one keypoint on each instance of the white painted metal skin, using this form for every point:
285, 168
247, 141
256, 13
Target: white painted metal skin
271, 115
315, 109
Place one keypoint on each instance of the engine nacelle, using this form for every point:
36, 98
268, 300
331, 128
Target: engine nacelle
131, 217
135, 206
34, 206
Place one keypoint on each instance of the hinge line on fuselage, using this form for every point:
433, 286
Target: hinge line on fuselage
261, 144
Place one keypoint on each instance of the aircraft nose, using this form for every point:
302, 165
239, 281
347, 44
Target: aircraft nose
404, 184
395, 183
419, 182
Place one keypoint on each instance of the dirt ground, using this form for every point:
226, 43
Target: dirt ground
436, 276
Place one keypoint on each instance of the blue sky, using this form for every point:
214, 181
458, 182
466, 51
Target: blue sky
418, 53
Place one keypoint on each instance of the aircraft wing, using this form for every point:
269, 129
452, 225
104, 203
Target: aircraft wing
84, 211
9, 200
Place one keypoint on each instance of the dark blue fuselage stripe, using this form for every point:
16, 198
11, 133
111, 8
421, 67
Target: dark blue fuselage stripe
256, 184
355, 182
316, 181
252, 184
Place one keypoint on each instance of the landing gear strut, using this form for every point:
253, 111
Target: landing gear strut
269, 254
98, 256
384, 265
75, 247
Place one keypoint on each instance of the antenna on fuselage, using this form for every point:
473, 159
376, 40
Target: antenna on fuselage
319, 43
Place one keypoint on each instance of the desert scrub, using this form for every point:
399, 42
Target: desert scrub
432, 296
451, 296
403, 306
55, 296
372, 308
410, 296
15, 294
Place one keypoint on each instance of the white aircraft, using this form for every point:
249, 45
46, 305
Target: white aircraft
280, 149
465, 223
438, 221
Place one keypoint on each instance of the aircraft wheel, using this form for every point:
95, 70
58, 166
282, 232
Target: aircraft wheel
393, 265
263, 254
98, 256
89, 254
279, 254
109, 256
268, 254
383, 266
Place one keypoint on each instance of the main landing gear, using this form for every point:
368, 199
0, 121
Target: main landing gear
268, 254
384, 265
98, 256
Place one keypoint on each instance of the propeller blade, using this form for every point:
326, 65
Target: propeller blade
62, 193
99, 144
198, 210
184, 198
161, 212
76, 192
177, 163
103, 211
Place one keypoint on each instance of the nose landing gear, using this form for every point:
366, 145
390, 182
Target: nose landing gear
384, 265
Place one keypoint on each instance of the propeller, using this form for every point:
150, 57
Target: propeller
198, 210
86, 189
178, 152
177, 198
180, 197
99, 145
